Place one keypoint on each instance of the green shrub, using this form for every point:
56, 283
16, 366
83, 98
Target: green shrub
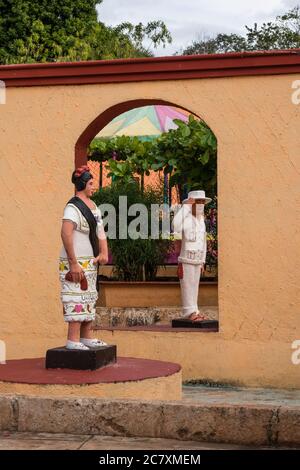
134, 260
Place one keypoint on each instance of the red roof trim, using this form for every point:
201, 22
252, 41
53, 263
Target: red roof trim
152, 68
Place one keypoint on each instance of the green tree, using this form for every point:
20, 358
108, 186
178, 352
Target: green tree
69, 30
220, 43
156, 31
282, 33
109, 43
39, 31
189, 155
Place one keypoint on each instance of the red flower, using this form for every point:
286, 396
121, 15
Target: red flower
81, 170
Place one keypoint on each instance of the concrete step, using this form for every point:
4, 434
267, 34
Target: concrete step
252, 417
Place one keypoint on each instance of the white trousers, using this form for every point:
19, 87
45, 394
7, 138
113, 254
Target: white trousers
189, 285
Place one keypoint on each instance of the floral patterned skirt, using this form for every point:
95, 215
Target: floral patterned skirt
79, 305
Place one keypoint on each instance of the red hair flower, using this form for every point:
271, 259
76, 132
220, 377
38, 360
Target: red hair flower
81, 170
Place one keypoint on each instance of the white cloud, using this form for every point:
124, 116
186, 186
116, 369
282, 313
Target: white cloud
188, 21
291, 3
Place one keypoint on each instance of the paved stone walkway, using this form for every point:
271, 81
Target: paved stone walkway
240, 396
46, 441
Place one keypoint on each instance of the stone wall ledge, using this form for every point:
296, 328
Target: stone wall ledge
243, 423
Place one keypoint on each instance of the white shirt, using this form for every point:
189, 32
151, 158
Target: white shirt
81, 240
192, 231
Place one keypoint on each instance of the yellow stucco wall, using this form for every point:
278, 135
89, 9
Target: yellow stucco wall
257, 127
157, 388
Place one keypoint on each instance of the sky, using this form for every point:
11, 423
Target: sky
193, 19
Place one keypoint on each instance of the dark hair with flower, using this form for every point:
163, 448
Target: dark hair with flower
81, 176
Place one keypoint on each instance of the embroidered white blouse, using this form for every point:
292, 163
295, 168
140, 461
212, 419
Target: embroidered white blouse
81, 241
192, 231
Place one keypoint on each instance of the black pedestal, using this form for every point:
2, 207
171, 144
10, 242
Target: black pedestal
186, 323
94, 358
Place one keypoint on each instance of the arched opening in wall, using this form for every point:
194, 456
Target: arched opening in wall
152, 152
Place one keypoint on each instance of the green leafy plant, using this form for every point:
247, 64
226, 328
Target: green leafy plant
188, 154
125, 156
211, 217
134, 260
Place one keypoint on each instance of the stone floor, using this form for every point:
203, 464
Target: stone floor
46, 441
234, 395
